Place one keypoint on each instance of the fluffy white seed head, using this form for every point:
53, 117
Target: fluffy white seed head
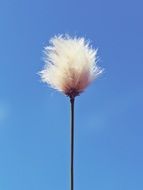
70, 65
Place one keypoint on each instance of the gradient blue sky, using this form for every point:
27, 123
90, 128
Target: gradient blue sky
34, 120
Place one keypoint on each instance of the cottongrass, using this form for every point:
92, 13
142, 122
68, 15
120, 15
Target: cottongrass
70, 64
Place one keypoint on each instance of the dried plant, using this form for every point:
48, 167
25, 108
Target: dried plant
70, 66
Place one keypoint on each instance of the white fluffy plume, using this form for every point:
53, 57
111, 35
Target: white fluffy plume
70, 65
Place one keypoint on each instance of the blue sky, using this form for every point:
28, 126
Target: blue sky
34, 119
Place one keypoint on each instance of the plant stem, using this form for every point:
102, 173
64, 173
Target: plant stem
72, 145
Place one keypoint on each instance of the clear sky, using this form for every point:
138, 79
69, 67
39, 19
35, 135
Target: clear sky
34, 119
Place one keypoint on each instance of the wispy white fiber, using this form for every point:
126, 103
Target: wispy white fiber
70, 65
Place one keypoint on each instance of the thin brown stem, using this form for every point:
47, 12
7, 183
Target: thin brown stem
72, 145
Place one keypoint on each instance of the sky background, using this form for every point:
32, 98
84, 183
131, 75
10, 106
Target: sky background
34, 119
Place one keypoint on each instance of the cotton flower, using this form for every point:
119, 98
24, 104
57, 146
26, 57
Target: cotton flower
70, 65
